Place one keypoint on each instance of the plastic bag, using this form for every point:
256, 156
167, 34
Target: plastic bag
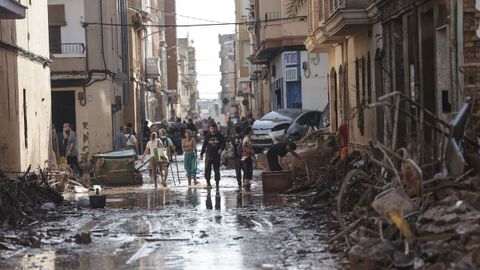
160, 153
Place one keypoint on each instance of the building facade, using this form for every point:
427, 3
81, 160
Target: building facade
25, 111
399, 70
286, 74
89, 74
227, 70
187, 78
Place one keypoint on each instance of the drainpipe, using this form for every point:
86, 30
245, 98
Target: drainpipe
453, 52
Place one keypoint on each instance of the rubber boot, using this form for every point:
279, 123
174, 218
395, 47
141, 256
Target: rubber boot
189, 181
195, 182
208, 183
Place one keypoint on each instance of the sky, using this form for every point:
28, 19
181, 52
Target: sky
206, 38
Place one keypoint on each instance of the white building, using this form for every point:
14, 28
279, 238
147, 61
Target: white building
299, 80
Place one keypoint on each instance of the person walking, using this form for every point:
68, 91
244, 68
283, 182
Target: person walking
280, 150
247, 158
237, 155
167, 142
71, 147
213, 146
119, 141
154, 144
131, 139
190, 157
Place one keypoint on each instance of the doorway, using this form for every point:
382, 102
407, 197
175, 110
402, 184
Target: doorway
428, 73
63, 111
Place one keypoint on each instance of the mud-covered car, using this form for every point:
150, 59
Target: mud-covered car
270, 129
308, 122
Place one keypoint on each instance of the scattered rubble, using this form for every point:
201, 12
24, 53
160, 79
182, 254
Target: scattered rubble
392, 212
24, 199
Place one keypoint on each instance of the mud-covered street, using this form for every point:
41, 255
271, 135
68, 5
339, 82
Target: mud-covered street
180, 227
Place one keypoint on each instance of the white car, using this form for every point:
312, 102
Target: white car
270, 129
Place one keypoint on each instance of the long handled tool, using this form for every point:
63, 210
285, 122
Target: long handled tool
143, 164
176, 163
173, 174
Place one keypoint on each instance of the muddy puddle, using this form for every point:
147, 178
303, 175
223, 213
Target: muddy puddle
181, 228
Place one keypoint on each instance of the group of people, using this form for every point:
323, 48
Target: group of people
125, 138
212, 148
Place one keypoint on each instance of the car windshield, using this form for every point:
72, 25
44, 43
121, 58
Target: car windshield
282, 115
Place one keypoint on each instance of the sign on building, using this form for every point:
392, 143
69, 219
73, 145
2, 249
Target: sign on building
290, 58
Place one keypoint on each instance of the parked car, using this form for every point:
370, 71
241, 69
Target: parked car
308, 122
270, 129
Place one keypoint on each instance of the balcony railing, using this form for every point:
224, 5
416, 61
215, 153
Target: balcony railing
68, 48
272, 16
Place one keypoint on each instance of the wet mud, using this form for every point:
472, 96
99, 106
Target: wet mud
180, 227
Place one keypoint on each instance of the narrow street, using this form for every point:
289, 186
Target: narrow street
183, 228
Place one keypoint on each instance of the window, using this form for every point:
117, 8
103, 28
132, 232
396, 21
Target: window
56, 19
55, 38
246, 52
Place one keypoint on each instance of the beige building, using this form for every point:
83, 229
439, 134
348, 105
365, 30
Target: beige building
349, 33
286, 74
228, 74
25, 108
148, 64
187, 78
89, 73
243, 50
417, 56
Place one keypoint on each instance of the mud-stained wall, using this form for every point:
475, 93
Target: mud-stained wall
25, 102
343, 60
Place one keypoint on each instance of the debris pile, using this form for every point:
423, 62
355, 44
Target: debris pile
21, 199
61, 178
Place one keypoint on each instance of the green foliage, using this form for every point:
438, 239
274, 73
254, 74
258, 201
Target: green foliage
294, 7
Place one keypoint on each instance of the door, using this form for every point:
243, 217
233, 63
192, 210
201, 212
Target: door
294, 95
63, 111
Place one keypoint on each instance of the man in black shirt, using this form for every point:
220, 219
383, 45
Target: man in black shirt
280, 150
213, 145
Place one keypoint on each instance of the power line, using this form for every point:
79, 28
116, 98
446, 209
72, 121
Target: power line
184, 16
289, 19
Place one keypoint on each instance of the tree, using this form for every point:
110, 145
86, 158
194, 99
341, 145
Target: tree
294, 7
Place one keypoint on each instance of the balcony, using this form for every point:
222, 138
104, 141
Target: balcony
346, 17
68, 49
331, 21
272, 36
68, 57
10, 9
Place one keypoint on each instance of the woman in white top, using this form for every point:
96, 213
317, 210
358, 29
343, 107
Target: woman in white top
153, 144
